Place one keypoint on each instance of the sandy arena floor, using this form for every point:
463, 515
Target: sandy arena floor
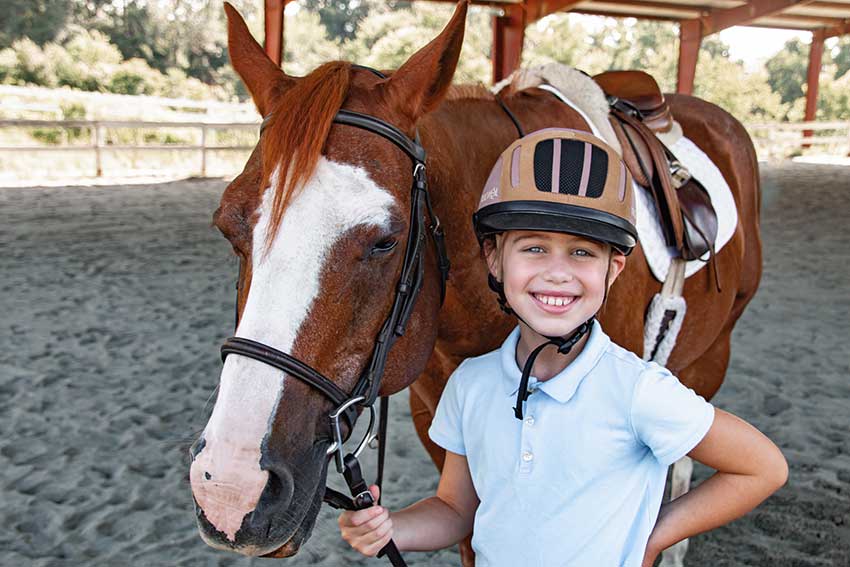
116, 299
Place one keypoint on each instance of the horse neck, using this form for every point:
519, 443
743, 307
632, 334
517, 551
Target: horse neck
465, 137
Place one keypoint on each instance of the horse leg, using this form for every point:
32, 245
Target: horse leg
708, 370
680, 483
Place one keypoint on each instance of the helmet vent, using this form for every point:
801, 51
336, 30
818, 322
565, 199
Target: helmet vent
598, 173
580, 168
543, 165
572, 166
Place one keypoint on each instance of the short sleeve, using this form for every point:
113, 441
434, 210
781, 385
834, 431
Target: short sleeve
447, 426
668, 417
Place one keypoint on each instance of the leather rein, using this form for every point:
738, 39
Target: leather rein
365, 391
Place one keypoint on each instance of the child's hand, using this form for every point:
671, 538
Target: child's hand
369, 530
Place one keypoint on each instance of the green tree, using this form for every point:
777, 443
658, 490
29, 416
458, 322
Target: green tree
841, 56
786, 71
38, 20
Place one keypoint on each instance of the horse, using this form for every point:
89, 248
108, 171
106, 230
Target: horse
319, 219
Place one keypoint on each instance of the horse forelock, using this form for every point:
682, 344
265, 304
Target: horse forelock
299, 126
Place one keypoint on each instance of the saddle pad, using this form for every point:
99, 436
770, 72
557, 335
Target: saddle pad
658, 254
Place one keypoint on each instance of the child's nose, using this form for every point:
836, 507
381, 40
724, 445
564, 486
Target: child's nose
558, 273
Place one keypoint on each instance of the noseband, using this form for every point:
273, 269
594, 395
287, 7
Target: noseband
365, 391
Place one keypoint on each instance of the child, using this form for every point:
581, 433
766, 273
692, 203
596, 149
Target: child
558, 456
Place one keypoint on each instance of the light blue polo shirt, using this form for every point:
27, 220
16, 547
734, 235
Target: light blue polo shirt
580, 480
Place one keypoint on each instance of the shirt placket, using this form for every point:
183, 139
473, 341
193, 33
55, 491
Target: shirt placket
527, 456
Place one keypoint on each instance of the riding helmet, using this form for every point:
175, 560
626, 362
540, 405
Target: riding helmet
560, 180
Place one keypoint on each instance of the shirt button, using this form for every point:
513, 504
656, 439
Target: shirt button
529, 421
527, 457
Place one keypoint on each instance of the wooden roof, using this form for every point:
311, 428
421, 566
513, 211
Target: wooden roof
829, 17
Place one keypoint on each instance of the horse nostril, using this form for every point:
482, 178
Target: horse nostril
207, 476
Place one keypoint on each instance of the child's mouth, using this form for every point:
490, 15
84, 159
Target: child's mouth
554, 303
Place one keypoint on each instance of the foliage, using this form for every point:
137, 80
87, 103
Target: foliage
178, 48
89, 62
54, 136
341, 19
786, 71
37, 20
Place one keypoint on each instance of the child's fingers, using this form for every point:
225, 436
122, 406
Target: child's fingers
377, 521
375, 490
359, 517
383, 535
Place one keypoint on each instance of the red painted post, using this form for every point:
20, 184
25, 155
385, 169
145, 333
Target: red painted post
274, 29
690, 37
812, 79
508, 36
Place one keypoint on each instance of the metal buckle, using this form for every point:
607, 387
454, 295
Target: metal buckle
336, 448
679, 174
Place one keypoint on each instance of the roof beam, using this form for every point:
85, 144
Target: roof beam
720, 19
538, 9
665, 6
840, 29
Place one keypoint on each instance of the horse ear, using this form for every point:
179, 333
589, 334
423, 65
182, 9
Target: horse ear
261, 76
420, 84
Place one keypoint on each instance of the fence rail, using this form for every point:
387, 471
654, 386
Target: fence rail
778, 137
771, 139
98, 142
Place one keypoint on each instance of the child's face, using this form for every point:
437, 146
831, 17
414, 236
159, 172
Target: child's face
553, 281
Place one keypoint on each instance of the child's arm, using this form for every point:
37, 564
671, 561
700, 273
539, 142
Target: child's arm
749, 469
432, 523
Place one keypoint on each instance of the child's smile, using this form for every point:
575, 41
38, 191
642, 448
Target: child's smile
554, 281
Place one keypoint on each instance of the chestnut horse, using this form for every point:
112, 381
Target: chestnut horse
319, 219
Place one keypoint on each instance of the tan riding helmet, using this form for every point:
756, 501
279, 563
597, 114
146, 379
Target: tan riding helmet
560, 180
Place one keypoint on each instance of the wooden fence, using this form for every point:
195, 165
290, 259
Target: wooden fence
771, 139
779, 139
98, 143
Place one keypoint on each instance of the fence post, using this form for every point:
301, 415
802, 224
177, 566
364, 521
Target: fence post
97, 143
203, 151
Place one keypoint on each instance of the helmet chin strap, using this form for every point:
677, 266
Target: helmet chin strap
564, 344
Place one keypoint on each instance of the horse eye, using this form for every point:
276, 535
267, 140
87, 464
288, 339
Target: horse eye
384, 246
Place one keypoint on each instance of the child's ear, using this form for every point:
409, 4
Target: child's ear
490, 249
616, 266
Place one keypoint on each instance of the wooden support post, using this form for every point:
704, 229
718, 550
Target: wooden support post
812, 79
690, 37
274, 29
508, 36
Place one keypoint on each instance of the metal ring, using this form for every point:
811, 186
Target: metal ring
336, 448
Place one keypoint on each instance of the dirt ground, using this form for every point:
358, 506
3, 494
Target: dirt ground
116, 299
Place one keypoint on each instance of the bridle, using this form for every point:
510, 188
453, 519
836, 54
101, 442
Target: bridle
365, 391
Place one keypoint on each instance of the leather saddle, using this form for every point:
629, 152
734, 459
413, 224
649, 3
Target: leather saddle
638, 111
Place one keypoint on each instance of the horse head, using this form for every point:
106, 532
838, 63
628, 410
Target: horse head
320, 219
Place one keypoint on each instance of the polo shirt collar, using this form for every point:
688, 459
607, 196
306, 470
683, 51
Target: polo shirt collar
563, 385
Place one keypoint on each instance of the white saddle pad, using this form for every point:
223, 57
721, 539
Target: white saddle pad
658, 254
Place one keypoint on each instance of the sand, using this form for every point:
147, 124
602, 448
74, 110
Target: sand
115, 300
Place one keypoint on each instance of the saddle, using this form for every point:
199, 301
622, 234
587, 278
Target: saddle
638, 111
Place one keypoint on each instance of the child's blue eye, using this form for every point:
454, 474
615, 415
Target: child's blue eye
583, 252
534, 249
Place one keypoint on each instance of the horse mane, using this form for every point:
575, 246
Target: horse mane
300, 121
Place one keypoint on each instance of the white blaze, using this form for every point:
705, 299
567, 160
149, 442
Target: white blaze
284, 284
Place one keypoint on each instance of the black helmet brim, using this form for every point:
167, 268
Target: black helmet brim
556, 217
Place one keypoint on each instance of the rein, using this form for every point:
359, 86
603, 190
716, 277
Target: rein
365, 391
